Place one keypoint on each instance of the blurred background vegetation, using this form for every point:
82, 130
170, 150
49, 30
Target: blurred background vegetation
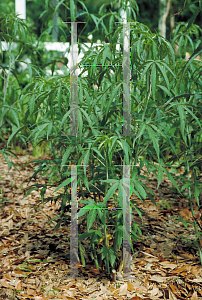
148, 15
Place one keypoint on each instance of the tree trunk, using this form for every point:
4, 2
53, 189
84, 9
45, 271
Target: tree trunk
164, 7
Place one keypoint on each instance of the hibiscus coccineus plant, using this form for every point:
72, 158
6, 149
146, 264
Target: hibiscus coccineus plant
165, 125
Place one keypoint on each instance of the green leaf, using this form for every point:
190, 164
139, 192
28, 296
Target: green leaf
72, 11
110, 193
181, 44
145, 70
187, 185
193, 115
95, 19
140, 189
101, 216
126, 149
31, 104
103, 25
34, 188
39, 129
85, 181
64, 183
87, 117
85, 209
119, 237
200, 4
191, 42
171, 179
154, 46
171, 50
82, 3
85, 235
182, 120
111, 23
43, 191
97, 151
135, 192
142, 129
160, 176
102, 9
65, 156
185, 223
112, 256
58, 225
169, 69
86, 159
164, 74
153, 79
106, 52
138, 211
59, 99
65, 116
192, 57
15, 131
50, 126
14, 116
139, 48
59, 3
154, 140
112, 144
164, 89
91, 218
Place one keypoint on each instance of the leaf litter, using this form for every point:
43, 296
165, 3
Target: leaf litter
33, 260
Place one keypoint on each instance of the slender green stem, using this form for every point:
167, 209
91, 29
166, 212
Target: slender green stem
95, 258
81, 253
105, 239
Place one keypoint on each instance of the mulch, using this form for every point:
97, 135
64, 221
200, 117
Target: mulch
35, 260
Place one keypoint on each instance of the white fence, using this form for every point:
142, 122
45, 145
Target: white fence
60, 47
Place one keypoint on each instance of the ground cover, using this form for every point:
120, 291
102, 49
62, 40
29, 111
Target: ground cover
35, 259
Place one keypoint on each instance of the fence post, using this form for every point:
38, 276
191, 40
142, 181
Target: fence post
20, 8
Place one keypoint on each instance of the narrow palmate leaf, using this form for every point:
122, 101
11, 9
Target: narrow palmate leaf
153, 79
65, 156
91, 217
15, 131
182, 120
160, 176
110, 192
64, 183
171, 179
140, 189
86, 159
164, 74
72, 10
85, 209
154, 139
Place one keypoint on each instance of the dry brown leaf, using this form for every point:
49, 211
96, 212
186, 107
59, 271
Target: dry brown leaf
194, 296
158, 278
5, 283
130, 287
